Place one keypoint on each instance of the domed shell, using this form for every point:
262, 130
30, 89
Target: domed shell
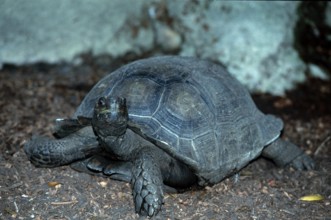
192, 109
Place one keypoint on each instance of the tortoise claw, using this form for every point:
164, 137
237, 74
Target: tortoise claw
303, 162
147, 196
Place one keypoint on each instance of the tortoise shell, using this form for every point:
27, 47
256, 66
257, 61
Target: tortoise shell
192, 109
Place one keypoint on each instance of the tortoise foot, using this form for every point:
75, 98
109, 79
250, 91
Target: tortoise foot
303, 162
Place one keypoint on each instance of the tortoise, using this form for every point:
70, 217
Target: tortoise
166, 121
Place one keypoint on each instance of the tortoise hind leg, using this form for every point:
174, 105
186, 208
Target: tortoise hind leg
285, 153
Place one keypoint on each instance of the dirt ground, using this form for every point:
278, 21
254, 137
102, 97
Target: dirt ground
31, 97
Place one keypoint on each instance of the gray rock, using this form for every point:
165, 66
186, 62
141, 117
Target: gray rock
52, 31
252, 39
328, 15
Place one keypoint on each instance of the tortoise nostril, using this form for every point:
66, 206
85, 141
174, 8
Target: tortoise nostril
102, 102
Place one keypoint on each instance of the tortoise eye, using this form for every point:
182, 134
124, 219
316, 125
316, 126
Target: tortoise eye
102, 102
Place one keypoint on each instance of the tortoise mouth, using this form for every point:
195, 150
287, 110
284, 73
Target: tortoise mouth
104, 111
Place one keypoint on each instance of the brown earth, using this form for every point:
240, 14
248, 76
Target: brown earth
31, 97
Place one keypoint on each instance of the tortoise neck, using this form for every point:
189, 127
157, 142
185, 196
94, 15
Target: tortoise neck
121, 146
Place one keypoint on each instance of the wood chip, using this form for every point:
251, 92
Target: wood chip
64, 203
53, 184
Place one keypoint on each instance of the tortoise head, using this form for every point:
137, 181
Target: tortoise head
110, 117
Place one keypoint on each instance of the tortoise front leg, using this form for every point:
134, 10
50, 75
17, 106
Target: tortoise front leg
106, 167
147, 182
46, 152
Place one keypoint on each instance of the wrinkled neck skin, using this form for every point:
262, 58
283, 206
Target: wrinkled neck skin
123, 146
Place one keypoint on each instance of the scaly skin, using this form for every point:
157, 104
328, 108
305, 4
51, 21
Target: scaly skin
284, 153
147, 183
46, 152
